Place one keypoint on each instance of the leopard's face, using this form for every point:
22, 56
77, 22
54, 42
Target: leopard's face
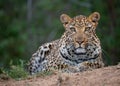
80, 38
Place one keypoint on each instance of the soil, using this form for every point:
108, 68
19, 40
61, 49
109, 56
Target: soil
107, 76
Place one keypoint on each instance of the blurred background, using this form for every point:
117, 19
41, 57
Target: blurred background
26, 24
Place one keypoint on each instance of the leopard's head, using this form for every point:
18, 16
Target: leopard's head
81, 28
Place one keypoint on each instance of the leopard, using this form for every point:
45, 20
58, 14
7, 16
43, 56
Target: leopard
78, 49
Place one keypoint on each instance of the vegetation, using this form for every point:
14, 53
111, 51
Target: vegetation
26, 24
15, 71
19, 72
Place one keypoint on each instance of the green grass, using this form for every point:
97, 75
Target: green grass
18, 72
44, 73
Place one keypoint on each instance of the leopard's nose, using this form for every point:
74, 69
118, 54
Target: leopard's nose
78, 43
79, 40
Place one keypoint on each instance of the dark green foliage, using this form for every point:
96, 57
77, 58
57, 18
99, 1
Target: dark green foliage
21, 34
12, 24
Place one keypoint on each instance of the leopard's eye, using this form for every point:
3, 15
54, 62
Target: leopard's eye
88, 24
93, 21
73, 29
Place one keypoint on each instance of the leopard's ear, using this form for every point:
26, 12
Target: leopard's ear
94, 17
65, 18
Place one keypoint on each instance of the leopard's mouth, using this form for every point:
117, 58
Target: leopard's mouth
80, 51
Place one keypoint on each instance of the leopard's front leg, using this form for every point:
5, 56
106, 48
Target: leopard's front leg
90, 65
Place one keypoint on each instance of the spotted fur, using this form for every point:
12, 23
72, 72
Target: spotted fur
77, 50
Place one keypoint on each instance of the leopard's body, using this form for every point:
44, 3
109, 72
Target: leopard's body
77, 50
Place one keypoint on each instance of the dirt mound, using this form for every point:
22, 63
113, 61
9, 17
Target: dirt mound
108, 76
